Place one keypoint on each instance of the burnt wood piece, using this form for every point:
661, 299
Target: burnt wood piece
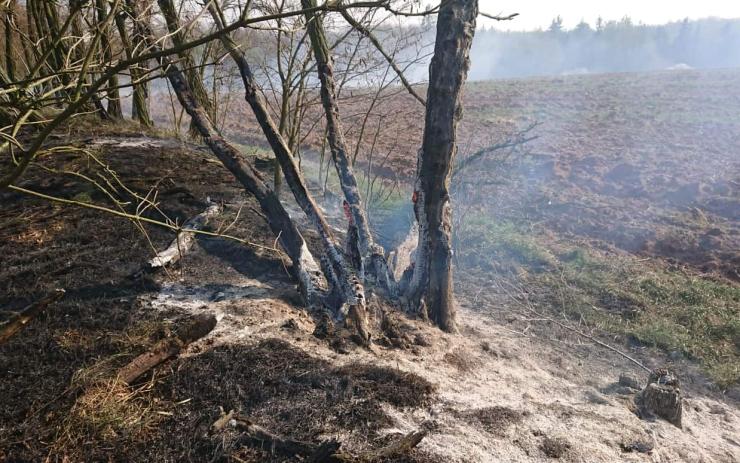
31, 311
182, 243
325, 452
188, 331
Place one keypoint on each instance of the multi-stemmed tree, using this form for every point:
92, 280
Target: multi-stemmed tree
73, 70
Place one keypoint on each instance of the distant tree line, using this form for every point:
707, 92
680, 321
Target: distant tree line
607, 46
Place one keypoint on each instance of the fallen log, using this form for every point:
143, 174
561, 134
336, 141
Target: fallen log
191, 329
182, 242
20, 320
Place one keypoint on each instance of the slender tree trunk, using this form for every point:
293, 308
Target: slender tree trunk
36, 31
78, 54
9, 40
374, 263
31, 28
136, 46
139, 104
431, 285
50, 18
112, 94
282, 125
194, 77
27, 47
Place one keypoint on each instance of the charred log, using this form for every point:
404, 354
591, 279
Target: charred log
189, 331
182, 243
19, 321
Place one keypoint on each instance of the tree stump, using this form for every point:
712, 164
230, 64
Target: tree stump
662, 396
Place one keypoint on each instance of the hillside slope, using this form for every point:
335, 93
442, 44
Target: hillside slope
510, 387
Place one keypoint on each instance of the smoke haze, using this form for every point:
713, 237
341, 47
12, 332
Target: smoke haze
608, 46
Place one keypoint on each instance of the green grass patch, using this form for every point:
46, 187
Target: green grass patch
667, 309
483, 242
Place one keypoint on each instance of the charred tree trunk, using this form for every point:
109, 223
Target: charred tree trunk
305, 268
342, 275
431, 286
194, 77
374, 262
112, 94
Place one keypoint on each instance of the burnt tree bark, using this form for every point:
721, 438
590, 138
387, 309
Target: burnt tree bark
431, 285
310, 279
341, 274
373, 257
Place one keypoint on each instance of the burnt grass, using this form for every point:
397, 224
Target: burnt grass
57, 398
285, 390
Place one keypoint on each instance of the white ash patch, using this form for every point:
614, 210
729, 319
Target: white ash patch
194, 297
137, 142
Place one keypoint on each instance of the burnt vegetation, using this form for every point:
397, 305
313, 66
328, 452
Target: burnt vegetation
250, 231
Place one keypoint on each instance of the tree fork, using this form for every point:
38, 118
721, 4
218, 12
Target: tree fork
373, 256
343, 277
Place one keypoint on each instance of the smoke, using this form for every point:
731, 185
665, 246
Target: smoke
614, 46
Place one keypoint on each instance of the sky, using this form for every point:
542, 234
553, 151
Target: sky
539, 13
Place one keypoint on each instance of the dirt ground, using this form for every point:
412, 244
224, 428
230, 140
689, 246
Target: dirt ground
509, 387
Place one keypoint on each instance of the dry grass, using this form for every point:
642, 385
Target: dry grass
108, 414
